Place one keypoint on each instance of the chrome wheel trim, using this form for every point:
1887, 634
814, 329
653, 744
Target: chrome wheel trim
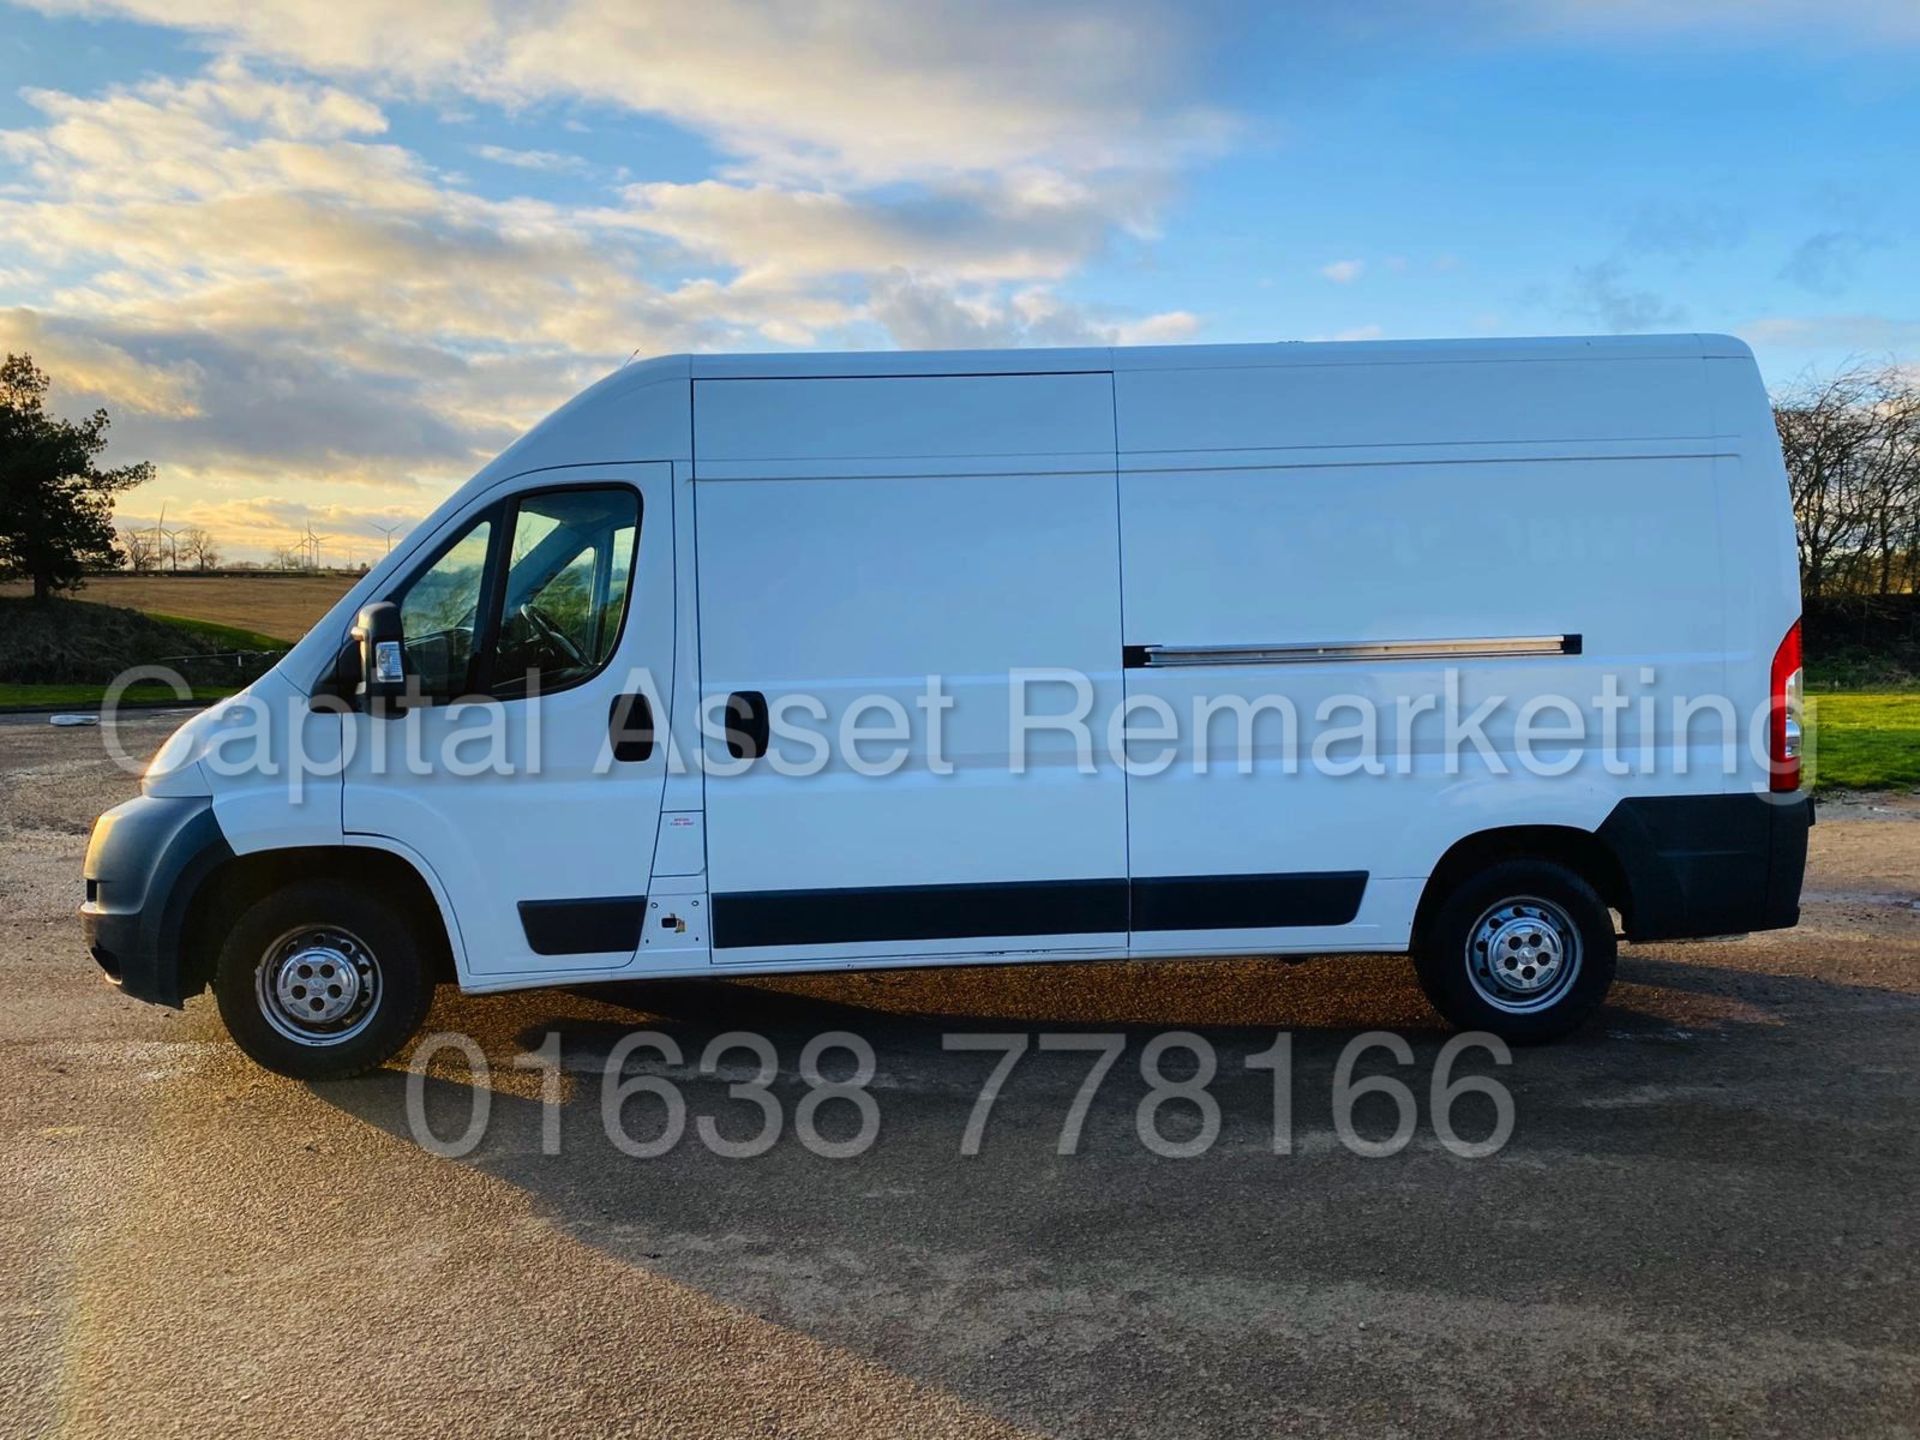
1523, 955
318, 985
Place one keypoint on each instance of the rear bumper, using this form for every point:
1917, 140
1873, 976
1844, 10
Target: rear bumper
1697, 865
146, 861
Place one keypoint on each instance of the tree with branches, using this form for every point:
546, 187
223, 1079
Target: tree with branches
56, 502
197, 548
137, 545
1851, 442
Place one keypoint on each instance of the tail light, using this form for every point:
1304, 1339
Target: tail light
1783, 715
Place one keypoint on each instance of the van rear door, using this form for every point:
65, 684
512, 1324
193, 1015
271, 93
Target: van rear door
888, 553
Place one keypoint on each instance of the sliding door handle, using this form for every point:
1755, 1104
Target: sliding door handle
630, 727
746, 724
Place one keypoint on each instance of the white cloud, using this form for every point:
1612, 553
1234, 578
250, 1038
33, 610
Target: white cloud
1854, 333
930, 315
445, 38
1344, 272
1018, 228
275, 298
91, 369
859, 91
551, 160
263, 296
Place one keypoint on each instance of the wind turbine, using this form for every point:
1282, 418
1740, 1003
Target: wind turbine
387, 530
314, 540
159, 550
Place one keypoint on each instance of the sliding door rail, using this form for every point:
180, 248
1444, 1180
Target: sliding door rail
1494, 647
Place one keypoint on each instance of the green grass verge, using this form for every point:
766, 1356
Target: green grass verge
1865, 740
227, 637
88, 697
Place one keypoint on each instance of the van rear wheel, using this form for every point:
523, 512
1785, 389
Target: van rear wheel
1524, 948
320, 981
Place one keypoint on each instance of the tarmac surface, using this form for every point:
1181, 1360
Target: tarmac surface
1706, 1218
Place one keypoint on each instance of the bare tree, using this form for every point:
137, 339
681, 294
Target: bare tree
197, 547
1852, 447
139, 547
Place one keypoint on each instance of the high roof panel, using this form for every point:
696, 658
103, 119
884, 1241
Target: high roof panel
797, 365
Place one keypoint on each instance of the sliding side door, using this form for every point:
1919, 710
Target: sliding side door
886, 556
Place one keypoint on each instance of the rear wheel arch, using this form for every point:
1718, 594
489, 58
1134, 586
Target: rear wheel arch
225, 894
1581, 851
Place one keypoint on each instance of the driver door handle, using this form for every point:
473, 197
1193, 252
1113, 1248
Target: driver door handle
630, 727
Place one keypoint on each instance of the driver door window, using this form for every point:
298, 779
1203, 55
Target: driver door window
564, 597
540, 612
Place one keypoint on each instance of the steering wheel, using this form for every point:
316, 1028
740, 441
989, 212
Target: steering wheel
553, 635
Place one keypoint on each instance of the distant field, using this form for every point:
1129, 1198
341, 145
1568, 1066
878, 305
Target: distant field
88, 697
1865, 741
277, 607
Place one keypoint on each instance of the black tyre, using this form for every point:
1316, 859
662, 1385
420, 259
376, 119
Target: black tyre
1524, 948
320, 980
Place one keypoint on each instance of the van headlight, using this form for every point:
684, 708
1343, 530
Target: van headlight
175, 768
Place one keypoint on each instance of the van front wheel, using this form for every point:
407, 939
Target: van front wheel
319, 981
1525, 949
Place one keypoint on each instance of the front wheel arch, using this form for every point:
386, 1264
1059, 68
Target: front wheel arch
225, 894
324, 978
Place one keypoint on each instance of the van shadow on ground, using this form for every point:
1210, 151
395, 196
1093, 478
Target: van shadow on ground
1722, 1147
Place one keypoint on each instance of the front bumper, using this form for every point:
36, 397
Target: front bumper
146, 861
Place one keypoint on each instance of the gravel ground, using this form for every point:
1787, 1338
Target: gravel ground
1705, 1218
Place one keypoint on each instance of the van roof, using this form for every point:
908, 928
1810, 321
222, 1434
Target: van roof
797, 365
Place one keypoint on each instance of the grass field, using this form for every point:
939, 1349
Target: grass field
1865, 740
279, 607
88, 697
227, 637
66, 651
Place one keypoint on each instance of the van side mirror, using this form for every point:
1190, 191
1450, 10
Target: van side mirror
383, 655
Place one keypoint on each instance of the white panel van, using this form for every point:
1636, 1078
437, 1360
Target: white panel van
1487, 651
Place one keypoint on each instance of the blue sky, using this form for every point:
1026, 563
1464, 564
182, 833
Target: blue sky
321, 259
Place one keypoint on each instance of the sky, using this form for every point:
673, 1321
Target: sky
321, 259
